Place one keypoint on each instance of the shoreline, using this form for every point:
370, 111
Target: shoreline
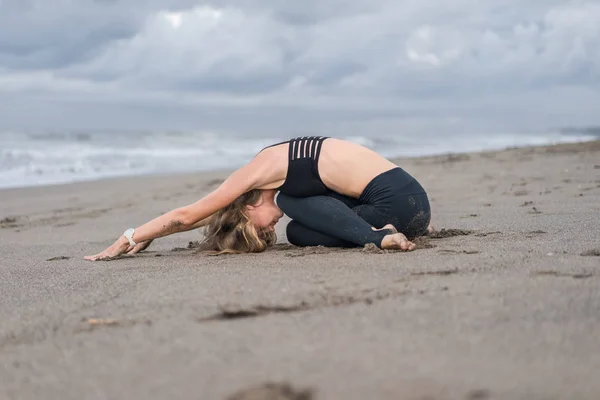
220, 171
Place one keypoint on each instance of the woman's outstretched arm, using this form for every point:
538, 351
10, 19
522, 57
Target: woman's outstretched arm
141, 246
255, 174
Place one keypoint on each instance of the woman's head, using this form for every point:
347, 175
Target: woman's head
247, 225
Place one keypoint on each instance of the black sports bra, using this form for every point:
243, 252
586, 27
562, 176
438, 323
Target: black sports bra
303, 178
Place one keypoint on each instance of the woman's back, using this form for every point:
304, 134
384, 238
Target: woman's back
344, 167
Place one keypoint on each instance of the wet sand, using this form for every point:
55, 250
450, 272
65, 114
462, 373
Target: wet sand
503, 303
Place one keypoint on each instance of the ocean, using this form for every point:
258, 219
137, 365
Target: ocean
54, 158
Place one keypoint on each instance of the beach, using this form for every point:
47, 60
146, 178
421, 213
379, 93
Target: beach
502, 303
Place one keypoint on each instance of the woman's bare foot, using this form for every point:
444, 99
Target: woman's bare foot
388, 227
397, 241
430, 229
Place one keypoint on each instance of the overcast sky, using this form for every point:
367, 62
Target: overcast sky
312, 65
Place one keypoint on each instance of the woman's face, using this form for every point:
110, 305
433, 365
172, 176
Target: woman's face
265, 213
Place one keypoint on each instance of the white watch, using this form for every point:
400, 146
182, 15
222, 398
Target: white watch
129, 235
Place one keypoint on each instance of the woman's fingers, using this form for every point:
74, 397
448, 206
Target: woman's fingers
95, 257
115, 250
139, 247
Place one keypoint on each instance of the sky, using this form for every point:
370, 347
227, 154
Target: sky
264, 66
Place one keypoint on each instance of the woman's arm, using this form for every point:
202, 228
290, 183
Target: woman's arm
253, 175
141, 246
201, 223
183, 218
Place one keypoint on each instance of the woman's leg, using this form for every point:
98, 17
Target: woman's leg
300, 235
329, 216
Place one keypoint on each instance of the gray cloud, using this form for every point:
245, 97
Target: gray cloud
456, 60
40, 35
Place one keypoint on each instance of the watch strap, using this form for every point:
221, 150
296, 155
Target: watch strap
129, 235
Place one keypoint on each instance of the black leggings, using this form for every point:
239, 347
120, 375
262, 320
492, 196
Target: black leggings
334, 220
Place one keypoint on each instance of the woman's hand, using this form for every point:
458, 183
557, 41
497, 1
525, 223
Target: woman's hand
139, 247
116, 249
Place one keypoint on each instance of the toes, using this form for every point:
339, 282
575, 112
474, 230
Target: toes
407, 245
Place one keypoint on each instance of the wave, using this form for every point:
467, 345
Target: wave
56, 158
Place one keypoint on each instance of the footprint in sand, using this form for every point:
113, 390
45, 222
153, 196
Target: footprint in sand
591, 253
447, 251
471, 216
563, 274
10, 222
58, 258
442, 272
520, 193
446, 233
535, 233
484, 234
273, 391
478, 394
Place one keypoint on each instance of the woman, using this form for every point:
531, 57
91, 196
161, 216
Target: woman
337, 193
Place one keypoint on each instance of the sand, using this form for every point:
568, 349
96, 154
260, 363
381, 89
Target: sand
502, 304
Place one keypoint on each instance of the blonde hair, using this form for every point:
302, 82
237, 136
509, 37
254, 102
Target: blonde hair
230, 230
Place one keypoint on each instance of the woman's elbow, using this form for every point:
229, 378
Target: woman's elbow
184, 217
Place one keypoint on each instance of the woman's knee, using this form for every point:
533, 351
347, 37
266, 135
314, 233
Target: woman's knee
285, 202
295, 207
294, 232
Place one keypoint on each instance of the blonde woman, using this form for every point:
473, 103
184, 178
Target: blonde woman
337, 193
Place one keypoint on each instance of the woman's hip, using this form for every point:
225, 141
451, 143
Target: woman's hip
389, 186
399, 198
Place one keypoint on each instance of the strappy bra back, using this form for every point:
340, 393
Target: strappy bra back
303, 179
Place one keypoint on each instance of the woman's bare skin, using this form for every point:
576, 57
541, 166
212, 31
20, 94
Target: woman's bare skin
395, 240
139, 247
430, 229
344, 167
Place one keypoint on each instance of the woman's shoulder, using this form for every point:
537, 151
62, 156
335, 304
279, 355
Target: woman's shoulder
275, 144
